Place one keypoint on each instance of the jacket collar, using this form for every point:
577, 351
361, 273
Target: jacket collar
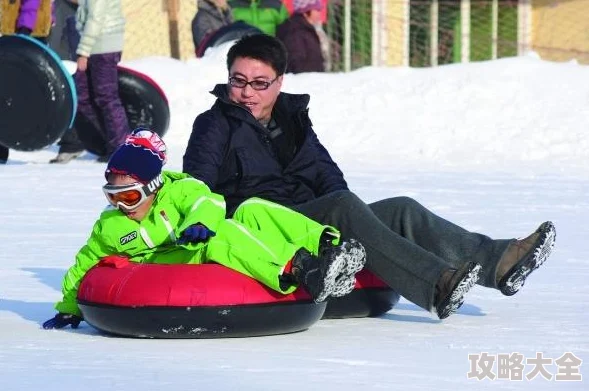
290, 103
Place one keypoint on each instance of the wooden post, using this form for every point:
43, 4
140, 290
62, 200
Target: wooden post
524, 27
494, 29
433, 33
377, 28
465, 30
173, 10
406, 32
347, 35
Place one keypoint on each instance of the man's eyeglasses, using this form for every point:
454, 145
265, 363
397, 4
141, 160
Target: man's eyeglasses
258, 85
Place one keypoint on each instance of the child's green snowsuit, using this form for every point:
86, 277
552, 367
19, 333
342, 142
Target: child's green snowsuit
181, 202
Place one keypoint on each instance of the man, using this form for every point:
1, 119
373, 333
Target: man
258, 141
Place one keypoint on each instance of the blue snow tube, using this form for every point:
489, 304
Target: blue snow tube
37, 95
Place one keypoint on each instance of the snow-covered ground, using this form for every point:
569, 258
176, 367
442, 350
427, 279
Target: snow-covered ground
497, 147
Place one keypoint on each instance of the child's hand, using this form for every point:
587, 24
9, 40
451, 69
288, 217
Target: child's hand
196, 233
60, 320
82, 63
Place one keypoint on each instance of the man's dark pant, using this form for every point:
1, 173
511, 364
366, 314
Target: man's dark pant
98, 97
407, 246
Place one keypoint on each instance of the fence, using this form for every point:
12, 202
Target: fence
414, 33
432, 32
158, 28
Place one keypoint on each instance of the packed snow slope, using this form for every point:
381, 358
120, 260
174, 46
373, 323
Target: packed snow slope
497, 147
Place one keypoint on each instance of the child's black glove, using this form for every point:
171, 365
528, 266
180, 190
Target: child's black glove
61, 320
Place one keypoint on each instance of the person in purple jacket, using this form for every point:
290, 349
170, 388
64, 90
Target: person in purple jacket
300, 35
35, 17
257, 141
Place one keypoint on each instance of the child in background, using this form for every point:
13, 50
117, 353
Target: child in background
263, 14
102, 27
174, 218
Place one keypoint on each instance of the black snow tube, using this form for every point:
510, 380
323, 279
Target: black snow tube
145, 104
228, 33
370, 297
37, 94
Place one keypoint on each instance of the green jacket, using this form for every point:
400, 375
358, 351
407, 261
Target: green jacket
263, 14
180, 202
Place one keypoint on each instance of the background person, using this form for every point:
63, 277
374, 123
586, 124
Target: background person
263, 14
101, 25
301, 37
64, 40
210, 16
28, 17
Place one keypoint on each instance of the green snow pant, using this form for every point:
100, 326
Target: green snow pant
258, 241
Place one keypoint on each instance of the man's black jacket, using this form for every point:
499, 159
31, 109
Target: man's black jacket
235, 156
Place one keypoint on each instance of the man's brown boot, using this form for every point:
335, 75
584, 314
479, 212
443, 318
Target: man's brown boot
452, 287
524, 256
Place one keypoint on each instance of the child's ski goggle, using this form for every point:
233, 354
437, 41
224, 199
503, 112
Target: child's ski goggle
128, 197
131, 196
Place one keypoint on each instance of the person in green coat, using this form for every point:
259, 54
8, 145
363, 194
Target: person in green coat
263, 14
166, 217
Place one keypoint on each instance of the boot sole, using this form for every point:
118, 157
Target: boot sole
344, 285
453, 302
514, 280
339, 279
335, 269
356, 257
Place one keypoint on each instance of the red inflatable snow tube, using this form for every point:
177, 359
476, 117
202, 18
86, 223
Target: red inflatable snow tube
205, 301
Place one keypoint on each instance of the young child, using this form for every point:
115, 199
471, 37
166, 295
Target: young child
263, 14
174, 218
102, 27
